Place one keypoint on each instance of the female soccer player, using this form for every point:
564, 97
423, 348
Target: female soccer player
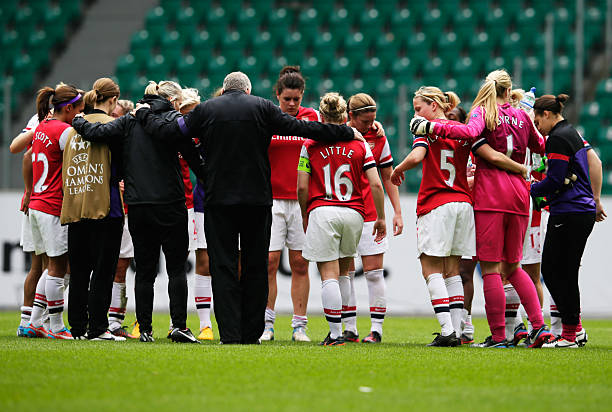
572, 212
331, 200
284, 152
45, 205
197, 239
362, 113
501, 200
445, 224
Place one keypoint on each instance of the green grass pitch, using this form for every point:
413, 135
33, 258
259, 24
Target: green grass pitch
399, 374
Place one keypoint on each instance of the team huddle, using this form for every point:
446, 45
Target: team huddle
493, 191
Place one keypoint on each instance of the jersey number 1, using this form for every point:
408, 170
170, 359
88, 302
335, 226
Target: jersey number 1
339, 180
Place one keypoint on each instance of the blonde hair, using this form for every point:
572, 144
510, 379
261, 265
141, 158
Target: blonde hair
446, 101
103, 89
126, 105
190, 97
167, 89
218, 92
361, 103
333, 108
495, 85
516, 95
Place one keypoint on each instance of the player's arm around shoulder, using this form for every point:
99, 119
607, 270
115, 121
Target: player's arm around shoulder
303, 183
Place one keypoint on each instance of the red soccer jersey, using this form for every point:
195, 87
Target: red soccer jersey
284, 152
382, 156
186, 182
444, 171
335, 173
49, 139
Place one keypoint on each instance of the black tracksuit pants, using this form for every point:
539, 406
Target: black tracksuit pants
93, 250
153, 226
240, 301
566, 237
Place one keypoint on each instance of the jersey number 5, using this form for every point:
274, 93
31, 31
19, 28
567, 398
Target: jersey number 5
444, 165
40, 186
339, 180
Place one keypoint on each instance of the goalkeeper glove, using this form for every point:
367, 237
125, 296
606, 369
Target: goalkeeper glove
420, 126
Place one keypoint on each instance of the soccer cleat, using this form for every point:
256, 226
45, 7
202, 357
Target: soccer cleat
520, 333
490, 343
560, 342
109, 337
63, 333
183, 336
146, 337
350, 336
80, 337
268, 334
466, 340
22, 332
328, 341
299, 335
373, 337
539, 337
206, 334
444, 341
122, 332
136, 330
582, 338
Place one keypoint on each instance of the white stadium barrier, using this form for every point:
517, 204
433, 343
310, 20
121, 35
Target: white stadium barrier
406, 291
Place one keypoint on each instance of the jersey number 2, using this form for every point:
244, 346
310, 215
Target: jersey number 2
40, 186
444, 165
339, 180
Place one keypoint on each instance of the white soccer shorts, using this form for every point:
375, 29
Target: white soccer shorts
191, 230
48, 234
448, 230
367, 245
127, 247
199, 231
333, 232
26, 241
287, 227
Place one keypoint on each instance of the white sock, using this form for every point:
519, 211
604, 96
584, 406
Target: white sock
440, 302
116, 312
468, 327
332, 306
454, 287
270, 318
556, 327
378, 301
349, 307
26, 313
298, 321
203, 298
40, 301
66, 281
55, 302
513, 301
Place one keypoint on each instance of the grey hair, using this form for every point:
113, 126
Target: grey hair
236, 81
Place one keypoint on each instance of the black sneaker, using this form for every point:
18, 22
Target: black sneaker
350, 336
183, 336
373, 337
445, 341
490, 343
146, 336
520, 333
539, 337
328, 341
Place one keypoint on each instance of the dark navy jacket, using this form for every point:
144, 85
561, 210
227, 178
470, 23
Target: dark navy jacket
566, 152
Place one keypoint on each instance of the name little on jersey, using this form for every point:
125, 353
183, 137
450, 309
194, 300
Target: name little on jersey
335, 150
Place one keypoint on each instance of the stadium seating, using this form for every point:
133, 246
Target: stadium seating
357, 45
32, 30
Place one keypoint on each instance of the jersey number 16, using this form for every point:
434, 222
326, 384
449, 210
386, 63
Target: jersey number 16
339, 180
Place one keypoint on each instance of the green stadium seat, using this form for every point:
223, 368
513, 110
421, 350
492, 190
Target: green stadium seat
248, 22
171, 6
25, 21
23, 73
402, 25
252, 66
172, 46
448, 46
481, 9
279, 21
312, 67
216, 70
308, 22
263, 46
294, 47
262, 6
355, 6
141, 44
387, 48
465, 19
371, 22
342, 67
202, 45
188, 71
157, 68
356, 47
529, 23
512, 46
372, 70
156, 21
186, 23
403, 70
264, 88
434, 71
217, 19
339, 22
498, 18
276, 65
325, 46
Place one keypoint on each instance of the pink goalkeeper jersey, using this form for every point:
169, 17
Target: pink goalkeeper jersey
495, 189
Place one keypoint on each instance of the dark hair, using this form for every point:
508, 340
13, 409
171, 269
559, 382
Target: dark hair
550, 103
290, 77
59, 97
462, 114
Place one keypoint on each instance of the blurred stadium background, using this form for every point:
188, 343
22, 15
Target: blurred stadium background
387, 48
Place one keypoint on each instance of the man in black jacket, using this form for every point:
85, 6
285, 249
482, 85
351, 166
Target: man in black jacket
155, 195
235, 130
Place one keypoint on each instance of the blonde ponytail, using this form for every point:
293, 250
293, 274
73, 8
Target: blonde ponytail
496, 84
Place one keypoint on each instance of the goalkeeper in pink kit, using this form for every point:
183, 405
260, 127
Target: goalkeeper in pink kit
501, 201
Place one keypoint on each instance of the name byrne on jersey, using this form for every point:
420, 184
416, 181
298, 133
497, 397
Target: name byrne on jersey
511, 120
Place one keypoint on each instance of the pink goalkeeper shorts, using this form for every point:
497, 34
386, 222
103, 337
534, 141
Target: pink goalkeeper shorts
500, 236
